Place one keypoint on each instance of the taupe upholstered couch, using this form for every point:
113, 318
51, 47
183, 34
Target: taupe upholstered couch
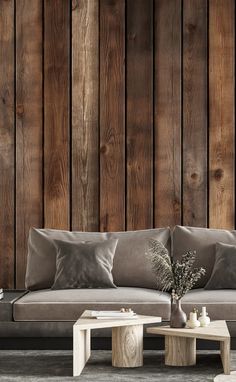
46, 312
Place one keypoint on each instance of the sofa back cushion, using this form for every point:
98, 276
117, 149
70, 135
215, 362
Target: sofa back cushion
42, 253
130, 267
203, 241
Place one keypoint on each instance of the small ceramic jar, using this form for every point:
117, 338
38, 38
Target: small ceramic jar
193, 321
204, 319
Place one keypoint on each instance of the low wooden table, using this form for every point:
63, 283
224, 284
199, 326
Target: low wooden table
127, 340
180, 344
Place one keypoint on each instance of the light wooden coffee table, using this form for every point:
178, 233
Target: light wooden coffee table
180, 344
127, 340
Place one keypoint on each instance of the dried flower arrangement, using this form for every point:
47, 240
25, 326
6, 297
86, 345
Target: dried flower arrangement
177, 276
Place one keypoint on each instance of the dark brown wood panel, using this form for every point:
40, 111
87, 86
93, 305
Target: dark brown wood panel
85, 121
7, 144
139, 114
112, 115
195, 113
28, 127
221, 114
56, 113
167, 112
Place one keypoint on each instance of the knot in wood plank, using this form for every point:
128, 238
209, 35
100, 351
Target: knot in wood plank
218, 174
20, 110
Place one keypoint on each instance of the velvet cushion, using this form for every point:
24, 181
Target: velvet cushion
224, 272
220, 305
69, 304
203, 241
42, 252
84, 265
130, 268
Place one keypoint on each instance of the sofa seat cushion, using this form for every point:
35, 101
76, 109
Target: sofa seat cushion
69, 304
220, 304
203, 241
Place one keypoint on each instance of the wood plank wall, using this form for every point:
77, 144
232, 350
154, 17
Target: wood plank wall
114, 115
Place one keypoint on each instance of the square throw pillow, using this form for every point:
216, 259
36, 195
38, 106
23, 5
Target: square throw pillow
224, 271
84, 265
42, 253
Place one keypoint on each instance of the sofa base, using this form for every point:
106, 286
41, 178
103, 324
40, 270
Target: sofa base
63, 329
58, 335
98, 343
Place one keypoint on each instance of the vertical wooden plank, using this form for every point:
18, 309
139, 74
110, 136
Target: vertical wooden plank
167, 112
85, 123
56, 113
195, 113
85, 55
28, 127
7, 144
139, 114
112, 115
221, 113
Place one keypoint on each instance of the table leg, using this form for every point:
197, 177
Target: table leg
225, 355
180, 351
81, 349
127, 346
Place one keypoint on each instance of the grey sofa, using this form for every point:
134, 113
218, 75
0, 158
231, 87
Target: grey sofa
43, 312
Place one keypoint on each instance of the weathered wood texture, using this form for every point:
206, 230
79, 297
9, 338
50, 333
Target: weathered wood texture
85, 115
180, 351
225, 355
221, 114
180, 344
195, 113
56, 113
114, 115
167, 193
29, 195
7, 144
127, 346
139, 126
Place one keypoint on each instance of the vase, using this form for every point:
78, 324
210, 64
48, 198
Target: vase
178, 317
193, 322
204, 319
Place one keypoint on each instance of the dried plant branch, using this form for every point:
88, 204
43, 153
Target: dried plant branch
177, 275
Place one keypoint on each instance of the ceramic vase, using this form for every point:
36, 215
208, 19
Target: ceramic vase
193, 322
204, 319
178, 317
